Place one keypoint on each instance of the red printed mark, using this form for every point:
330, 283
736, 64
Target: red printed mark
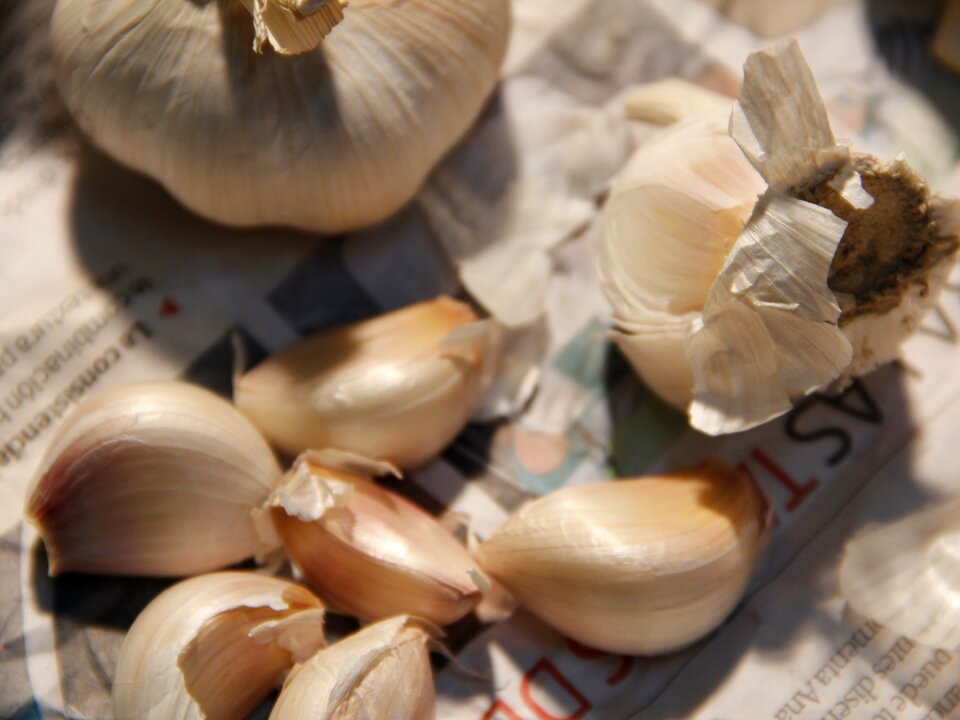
798, 492
589, 653
168, 307
548, 668
500, 709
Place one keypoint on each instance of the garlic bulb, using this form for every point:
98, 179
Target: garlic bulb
370, 552
159, 478
214, 646
398, 387
381, 672
336, 138
730, 306
639, 566
906, 575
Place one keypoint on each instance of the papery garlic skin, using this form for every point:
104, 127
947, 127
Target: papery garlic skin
330, 140
369, 551
157, 479
381, 672
398, 387
639, 566
214, 646
723, 253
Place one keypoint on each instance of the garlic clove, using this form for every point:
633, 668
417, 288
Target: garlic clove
152, 479
906, 575
676, 209
669, 101
399, 386
733, 315
214, 646
381, 672
367, 550
639, 566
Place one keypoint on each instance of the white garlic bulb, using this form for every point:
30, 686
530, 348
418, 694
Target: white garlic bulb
906, 575
381, 672
398, 387
214, 647
161, 478
332, 139
635, 566
369, 551
748, 267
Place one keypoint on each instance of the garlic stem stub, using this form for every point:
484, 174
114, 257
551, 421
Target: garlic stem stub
380, 672
751, 259
213, 647
292, 27
637, 566
398, 387
298, 113
159, 479
369, 551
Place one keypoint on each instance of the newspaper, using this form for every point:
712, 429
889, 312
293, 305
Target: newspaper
107, 280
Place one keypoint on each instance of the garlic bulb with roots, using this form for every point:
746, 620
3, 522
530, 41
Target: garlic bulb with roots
751, 259
337, 137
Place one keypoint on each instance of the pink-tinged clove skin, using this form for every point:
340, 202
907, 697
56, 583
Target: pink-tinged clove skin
374, 554
154, 479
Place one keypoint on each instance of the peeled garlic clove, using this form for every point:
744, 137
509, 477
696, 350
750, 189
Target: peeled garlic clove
152, 479
382, 671
730, 306
906, 575
367, 550
337, 137
214, 646
398, 387
638, 566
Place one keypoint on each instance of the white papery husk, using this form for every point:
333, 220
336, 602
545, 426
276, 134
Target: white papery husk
721, 298
397, 387
214, 646
635, 566
381, 672
161, 478
333, 139
369, 551
906, 575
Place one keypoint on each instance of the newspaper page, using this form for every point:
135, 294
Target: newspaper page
107, 280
